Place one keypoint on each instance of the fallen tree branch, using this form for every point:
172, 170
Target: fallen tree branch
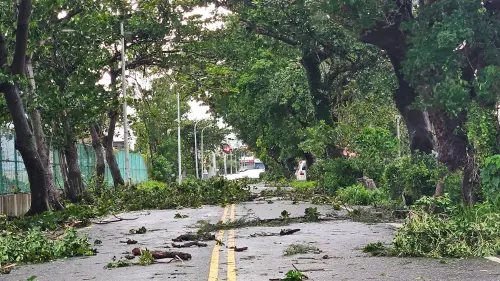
189, 244
288, 231
163, 254
118, 219
194, 237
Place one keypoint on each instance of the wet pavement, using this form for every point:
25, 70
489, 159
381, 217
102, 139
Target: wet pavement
339, 240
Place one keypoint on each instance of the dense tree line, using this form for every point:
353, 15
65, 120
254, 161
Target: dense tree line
295, 79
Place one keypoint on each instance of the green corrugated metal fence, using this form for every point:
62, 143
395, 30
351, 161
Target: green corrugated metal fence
13, 176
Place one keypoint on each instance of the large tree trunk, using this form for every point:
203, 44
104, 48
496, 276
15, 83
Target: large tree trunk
311, 62
416, 120
76, 191
99, 154
392, 40
36, 123
454, 150
110, 153
25, 141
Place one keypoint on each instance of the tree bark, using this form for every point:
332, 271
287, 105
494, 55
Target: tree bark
64, 170
76, 191
25, 141
36, 124
454, 150
110, 153
99, 154
311, 62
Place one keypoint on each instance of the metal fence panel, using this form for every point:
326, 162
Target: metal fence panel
13, 176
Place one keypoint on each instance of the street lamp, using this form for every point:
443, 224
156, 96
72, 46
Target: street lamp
179, 134
196, 149
202, 151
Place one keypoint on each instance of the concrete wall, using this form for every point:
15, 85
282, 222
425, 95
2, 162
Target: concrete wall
15, 204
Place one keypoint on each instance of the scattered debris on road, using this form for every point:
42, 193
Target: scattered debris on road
180, 216
141, 230
189, 244
129, 242
163, 254
236, 249
194, 237
117, 219
288, 231
296, 249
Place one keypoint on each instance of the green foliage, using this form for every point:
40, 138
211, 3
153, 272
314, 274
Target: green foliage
52, 220
335, 173
311, 214
118, 263
152, 184
146, 258
490, 175
162, 169
296, 249
416, 175
376, 249
482, 130
192, 193
304, 184
294, 275
35, 246
375, 147
359, 195
273, 175
437, 228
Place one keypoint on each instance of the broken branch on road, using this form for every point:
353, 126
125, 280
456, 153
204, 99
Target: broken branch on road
118, 219
163, 254
189, 244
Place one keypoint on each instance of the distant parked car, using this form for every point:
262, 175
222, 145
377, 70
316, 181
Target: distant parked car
301, 173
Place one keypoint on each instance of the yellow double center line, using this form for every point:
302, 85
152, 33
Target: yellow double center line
213, 274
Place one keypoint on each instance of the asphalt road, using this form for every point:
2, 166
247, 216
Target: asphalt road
340, 240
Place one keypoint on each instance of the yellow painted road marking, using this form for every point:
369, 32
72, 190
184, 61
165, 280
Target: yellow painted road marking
231, 262
213, 274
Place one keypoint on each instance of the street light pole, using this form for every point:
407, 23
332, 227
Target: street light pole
202, 151
179, 136
196, 149
125, 118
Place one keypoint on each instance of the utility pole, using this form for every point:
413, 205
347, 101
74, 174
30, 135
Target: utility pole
225, 164
125, 118
214, 164
398, 118
196, 149
202, 152
231, 161
179, 136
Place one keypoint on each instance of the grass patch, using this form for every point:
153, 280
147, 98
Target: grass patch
297, 249
359, 195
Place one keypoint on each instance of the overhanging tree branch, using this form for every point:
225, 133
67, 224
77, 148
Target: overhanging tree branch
19, 61
273, 34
